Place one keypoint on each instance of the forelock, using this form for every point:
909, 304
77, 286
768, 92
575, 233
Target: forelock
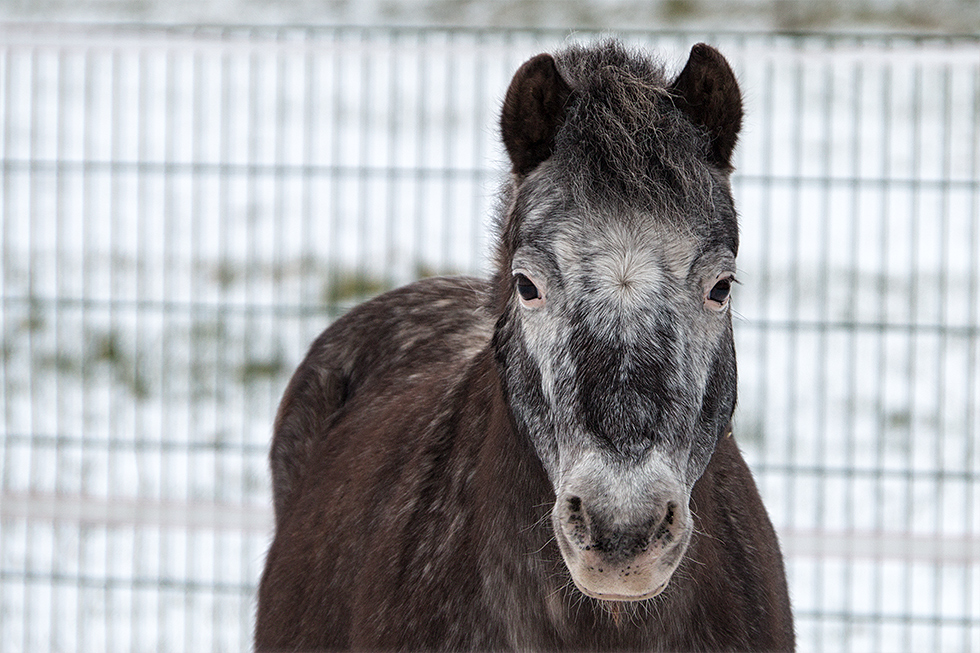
623, 141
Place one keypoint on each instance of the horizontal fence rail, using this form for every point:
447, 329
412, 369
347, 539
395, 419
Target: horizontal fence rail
79, 510
185, 209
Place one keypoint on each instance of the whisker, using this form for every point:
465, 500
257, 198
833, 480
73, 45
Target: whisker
545, 545
545, 517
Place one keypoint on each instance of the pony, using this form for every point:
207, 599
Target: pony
544, 459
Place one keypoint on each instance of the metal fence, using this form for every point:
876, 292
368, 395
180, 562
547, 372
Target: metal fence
183, 210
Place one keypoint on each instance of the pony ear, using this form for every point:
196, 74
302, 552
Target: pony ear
533, 111
706, 90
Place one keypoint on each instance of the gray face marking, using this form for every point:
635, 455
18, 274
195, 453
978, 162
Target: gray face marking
625, 310
618, 363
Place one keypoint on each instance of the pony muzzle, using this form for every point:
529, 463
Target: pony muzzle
621, 561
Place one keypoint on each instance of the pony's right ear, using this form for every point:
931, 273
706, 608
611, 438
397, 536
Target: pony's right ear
533, 111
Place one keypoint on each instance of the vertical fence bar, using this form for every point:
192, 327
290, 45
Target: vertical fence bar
85, 209
943, 317
227, 100
449, 162
390, 276
311, 76
196, 259
482, 102
915, 102
338, 113
34, 317
6, 378
6, 219
972, 381
362, 164
850, 375
114, 215
793, 317
421, 151
60, 532
882, 317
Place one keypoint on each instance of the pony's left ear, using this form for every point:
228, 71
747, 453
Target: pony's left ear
707, 91
534, 109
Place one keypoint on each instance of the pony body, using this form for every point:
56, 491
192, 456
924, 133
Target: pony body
543, 460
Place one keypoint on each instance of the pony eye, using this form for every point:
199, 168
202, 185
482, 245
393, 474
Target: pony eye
526, 288
719, 294
721, 291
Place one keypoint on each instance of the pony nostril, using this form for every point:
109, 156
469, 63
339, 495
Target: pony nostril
576, 523
664, 530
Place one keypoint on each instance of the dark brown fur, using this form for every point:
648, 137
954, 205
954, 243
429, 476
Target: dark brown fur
369, 347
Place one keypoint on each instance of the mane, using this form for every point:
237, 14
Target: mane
623, 140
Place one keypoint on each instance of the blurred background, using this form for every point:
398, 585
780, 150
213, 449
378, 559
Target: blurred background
192, 191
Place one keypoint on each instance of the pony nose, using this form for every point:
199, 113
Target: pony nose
622, 541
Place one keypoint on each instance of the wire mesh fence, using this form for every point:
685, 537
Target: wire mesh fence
184, 209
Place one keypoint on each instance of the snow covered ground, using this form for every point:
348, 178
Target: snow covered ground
183, 210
